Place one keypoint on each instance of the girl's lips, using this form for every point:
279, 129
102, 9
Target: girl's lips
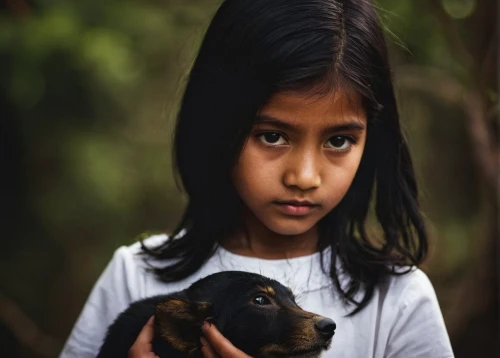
292, 208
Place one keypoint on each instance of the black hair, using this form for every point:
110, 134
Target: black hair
252, 49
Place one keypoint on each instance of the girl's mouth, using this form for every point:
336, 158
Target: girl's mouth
296, 208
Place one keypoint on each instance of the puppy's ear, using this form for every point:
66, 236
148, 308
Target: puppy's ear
179, 322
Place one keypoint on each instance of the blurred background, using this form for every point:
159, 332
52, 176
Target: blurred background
88, 96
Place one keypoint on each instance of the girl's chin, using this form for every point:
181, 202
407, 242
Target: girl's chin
290, 228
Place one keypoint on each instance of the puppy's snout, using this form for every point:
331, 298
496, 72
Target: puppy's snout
326, 327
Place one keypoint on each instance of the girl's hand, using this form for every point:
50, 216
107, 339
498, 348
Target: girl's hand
216, 345
142, 347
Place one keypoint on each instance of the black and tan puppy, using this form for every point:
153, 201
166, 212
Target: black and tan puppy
257, 314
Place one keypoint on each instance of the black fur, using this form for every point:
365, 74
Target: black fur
258, 315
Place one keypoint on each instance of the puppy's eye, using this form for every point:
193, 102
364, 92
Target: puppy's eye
261, 300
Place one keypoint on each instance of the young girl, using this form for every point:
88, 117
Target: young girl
288, 136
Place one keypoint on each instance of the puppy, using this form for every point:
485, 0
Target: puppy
257, 314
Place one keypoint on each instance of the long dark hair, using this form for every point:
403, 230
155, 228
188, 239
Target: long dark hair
252, 49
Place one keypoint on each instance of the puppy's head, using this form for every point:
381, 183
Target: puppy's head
258, 315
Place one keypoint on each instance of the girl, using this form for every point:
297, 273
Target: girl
288, 134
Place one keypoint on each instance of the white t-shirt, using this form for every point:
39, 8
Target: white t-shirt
402, 320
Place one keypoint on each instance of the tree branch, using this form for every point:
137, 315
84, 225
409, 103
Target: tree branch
26, 331
448, 89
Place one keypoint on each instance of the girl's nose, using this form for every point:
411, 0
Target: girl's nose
302, 172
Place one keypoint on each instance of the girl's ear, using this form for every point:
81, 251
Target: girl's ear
179, 321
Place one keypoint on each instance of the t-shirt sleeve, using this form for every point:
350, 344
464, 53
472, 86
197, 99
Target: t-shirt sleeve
110, 296
419, 330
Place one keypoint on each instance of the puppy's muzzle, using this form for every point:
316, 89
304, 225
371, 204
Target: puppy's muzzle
326, 327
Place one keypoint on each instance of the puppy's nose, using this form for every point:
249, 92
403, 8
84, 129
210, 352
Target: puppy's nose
326, 327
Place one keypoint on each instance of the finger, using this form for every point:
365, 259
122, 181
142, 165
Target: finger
206, 349
142, 347
141, 351
147, 333
221, 344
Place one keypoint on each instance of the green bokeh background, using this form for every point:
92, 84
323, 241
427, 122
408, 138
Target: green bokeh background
88, 96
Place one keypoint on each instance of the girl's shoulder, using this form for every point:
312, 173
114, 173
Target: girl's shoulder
407, 289
150, 242
131, 258
402, 319
130, 270
408, 286
125, 279
409, 308
405, 285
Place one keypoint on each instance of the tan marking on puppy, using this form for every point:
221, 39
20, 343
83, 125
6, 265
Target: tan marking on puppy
274, 350
302, 338
175, 314
304, 332
268, 289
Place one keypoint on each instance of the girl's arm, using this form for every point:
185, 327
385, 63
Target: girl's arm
110, 296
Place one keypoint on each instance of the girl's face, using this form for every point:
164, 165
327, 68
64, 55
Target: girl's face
300, 159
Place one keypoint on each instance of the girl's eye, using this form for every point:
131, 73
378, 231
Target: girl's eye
340, 143
272, 138
261, 301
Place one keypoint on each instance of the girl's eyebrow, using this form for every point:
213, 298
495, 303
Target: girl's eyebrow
350, 125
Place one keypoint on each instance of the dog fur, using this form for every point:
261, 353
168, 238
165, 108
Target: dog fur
257, 314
